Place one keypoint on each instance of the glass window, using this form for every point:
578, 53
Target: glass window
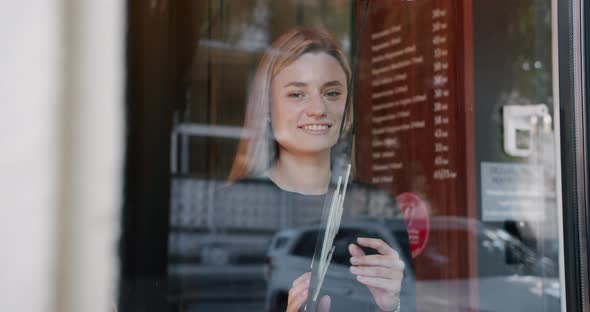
445, 113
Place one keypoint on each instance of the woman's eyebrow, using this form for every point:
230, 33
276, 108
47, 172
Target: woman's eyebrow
333, 83
303, 84
295, 84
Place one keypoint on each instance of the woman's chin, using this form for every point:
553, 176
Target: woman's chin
318, 148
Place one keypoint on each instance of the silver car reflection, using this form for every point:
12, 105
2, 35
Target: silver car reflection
512, 277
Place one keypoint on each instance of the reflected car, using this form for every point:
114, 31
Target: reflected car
291, 251
511, 276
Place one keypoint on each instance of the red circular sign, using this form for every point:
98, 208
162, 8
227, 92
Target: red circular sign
417, 221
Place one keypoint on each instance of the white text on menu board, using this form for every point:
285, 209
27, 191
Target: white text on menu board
392, 102
441, 95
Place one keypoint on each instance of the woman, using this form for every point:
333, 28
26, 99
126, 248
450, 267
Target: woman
295, 109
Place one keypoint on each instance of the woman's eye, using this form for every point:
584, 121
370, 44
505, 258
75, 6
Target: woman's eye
295, 95
333, 93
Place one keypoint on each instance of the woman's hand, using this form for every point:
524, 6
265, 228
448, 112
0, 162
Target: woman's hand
299, 292
382, 273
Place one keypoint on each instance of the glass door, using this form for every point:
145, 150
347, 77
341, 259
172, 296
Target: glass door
462, 121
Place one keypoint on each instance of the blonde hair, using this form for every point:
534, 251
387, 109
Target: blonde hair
257, 149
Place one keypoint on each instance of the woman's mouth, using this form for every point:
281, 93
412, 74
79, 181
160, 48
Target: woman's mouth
317, 129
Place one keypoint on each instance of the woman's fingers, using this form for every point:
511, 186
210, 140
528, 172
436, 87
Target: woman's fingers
355, 250
299, 290
303, 279
378, 282
387, 256
376, 272
378, 244
381, 273
297, 300
378, 260
296, 290
325, 304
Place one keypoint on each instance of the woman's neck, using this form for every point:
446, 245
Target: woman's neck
305, 175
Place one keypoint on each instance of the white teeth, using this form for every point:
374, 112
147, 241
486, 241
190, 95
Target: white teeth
315, 127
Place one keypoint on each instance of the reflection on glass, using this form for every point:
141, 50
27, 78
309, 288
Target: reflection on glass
296, 106
453, 156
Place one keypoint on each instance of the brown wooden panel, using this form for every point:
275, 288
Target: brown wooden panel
415, 121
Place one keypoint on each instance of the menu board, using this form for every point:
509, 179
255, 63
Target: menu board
415, 122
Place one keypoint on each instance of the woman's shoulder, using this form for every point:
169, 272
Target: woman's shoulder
246, 187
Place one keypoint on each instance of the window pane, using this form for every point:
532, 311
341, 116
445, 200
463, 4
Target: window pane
445, 112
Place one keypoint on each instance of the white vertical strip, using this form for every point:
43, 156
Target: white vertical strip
92, 120
557, 147
30, 45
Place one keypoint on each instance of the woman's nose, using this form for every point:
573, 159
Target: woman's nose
316, 107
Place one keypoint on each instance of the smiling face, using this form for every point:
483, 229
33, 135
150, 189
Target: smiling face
308, 100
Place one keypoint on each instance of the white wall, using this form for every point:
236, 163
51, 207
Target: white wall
61, 149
